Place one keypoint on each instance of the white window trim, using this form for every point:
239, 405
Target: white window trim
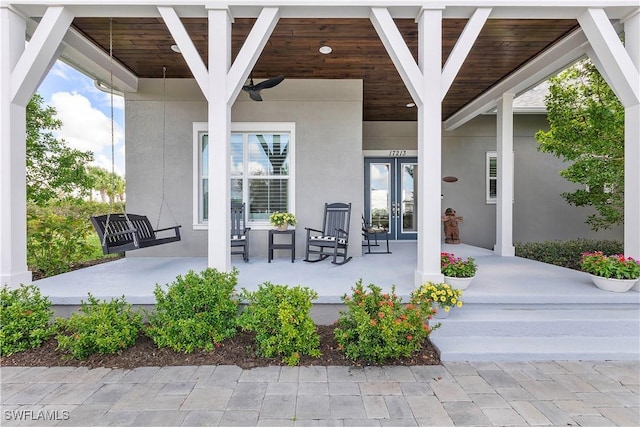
490, 155
266, 127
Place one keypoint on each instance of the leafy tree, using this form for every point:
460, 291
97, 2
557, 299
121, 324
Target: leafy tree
53, 168
587, 129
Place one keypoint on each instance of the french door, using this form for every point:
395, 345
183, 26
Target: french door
390, 195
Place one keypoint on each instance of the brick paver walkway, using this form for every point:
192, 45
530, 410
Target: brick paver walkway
479, 393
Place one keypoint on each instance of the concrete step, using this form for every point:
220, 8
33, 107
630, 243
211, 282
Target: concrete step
540, 320
489, 348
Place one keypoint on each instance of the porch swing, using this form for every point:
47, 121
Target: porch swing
122, 232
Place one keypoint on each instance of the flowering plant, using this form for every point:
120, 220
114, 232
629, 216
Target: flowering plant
282, 218
377, 326
439, 293
453, 266
613, 266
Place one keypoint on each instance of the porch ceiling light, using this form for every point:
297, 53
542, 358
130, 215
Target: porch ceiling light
411, 105
325, 50
175, 48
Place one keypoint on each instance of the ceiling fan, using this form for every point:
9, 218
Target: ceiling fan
254, 90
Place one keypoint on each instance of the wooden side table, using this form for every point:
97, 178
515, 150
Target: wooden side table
291, 245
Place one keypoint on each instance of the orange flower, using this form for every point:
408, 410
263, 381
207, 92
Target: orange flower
374, 322
409, 337
381, 315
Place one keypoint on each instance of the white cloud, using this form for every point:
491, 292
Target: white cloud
60, 70
104, 161
83, 126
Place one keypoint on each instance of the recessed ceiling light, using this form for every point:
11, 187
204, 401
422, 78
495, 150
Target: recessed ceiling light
411, 105
175, 48
325, 50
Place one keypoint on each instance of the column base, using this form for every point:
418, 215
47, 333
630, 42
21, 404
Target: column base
504, 250
13, 281
420, 278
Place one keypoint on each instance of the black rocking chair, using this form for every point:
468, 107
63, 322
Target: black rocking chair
333, 239
127, 232
239, 232
371, 232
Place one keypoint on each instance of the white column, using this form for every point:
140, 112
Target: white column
429, 147
13, 215
504, 205
219, 116
632, 149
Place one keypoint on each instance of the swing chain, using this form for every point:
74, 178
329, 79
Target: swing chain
130, 226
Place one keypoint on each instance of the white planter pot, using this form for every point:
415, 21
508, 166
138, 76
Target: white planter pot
442, 313
613, 285
461, 283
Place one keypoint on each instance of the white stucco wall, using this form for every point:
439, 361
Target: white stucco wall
329, 163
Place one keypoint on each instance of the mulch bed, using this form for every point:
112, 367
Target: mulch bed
239, 351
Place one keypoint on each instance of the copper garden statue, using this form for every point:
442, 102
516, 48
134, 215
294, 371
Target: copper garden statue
451, 231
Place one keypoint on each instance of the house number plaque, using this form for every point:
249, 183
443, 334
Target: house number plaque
397, 153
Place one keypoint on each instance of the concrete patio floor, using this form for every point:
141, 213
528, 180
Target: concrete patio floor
499, 279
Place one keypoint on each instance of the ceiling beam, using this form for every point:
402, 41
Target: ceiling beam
250, 51
556, 58
91, 60
187, 48
399, 52
613, 59
40, 54
507, 9
463, 47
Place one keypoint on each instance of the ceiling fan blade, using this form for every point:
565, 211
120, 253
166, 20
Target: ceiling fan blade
255, 95
269, 83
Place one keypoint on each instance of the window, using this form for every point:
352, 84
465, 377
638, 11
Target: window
261, 170
491, 176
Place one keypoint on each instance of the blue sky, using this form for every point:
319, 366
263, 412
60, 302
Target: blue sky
85, 114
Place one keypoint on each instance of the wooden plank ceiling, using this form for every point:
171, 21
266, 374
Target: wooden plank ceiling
504, 45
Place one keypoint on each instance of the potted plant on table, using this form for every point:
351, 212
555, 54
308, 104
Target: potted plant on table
458, 272
441, 296
282, 220
615, 273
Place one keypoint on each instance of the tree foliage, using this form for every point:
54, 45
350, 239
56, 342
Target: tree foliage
53, 169
587, 129
110, 185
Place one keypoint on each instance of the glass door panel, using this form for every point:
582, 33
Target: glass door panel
390, 195
407, 194
380, 193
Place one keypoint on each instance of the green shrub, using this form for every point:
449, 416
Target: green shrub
24, 319
55, 242
59, 234
280, 317
566, 253
101, 327
196, 311
377, 327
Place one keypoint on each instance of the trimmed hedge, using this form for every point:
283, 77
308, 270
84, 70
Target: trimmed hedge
566, 253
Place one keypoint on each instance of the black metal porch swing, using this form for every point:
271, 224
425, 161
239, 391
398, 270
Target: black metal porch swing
121, 232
